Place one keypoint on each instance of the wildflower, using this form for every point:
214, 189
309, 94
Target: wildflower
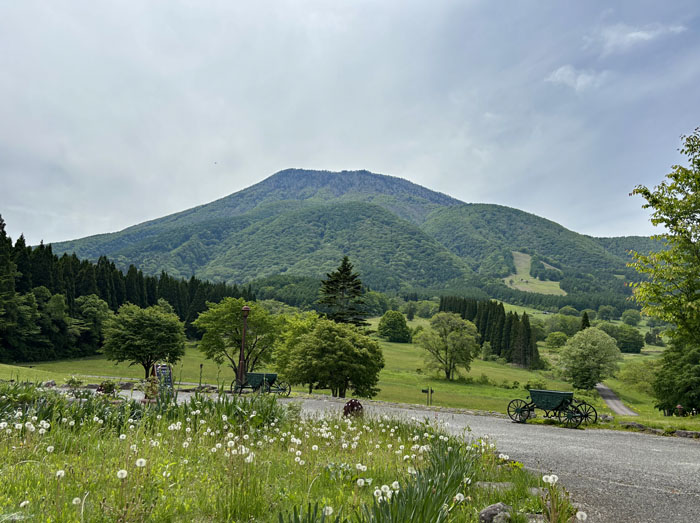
551, 479
581, 516
49, 449
467, 481
60, 473
24, 503
315, 447
122, 436
377, 493
360, 482
77, 501
133, 448
249, 458
459, 497
395, 485
386, 489
121, 474
327, 511
140, 462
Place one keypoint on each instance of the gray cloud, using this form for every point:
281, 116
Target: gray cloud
112, 113
621, 38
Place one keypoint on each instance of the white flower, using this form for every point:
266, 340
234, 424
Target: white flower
315, 447
77, 501
386, 489
60, 474
395, 485
360, 482
121, 474
377, 493
327, 511
459, 497
249, 458
140, 462
122, 436
581, 516
24, 504
49, 449
551, 479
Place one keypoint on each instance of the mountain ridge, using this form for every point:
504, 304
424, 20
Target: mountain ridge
427, 239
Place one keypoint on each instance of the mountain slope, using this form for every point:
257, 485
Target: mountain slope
400, 236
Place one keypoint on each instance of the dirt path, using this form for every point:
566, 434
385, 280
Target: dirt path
612, 401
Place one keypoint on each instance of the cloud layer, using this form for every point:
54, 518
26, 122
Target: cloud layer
113, 113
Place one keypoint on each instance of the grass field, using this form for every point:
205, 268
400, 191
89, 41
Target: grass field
522, 280
487, 386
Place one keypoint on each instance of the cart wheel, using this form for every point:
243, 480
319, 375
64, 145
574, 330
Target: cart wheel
236, 387
518, 410
571, 417
590, 415
283, 388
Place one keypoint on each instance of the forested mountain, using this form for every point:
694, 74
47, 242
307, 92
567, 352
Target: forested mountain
399, 235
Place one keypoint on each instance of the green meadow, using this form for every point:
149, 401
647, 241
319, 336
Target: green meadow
522, 280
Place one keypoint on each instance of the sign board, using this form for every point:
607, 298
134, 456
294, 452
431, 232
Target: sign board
164, 373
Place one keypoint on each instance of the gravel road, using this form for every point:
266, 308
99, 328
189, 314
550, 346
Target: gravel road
617, 477
613, 402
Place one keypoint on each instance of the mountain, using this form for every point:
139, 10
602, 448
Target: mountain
399, 235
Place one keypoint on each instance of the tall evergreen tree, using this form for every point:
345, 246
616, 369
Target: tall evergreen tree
21, 257
341, 295
585, 322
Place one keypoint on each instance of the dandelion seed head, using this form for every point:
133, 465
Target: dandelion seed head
77, 501
121, 474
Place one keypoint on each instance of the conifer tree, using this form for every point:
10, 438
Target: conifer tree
20, 256
341, 295
585, 322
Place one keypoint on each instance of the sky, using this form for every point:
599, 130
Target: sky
117, 112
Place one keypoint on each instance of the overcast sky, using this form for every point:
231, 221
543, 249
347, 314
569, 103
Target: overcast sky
112, 113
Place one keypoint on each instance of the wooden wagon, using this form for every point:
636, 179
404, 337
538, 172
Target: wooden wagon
264, 382
555, 404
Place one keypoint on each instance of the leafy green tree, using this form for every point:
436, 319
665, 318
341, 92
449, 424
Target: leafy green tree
568, 310
589, 357
631, 317
676, 383
592, 315
569, 325
144, 336
555, 340
451, 342
336, 356
585, 322
341, 295
222, 324
393, 327
628, 339
606, 313
92, 315
294, 327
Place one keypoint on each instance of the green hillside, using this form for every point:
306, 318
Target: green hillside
398, 234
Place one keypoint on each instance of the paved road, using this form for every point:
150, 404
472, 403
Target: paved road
612, 401
618, 477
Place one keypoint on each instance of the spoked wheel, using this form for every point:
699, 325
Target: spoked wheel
283, 388
590, 415
571, 417
518, 410
236, 387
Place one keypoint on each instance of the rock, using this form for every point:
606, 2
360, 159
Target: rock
536, 518
606, 417
536, 491
687, 434
126, 385
92, 386
632, 425
659, 432
498, 510
49, 384
499, 487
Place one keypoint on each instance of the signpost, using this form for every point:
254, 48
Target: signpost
429, 392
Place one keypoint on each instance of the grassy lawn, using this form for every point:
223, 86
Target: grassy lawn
522, 280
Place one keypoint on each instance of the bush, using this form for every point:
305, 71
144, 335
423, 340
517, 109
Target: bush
393, 327
631, 317
535, 383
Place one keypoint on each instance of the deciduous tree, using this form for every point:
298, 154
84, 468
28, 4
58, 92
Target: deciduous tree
144, 336
393, 327
451, 342
589, 357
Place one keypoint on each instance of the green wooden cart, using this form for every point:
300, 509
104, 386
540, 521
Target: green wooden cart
261, 382
556, 404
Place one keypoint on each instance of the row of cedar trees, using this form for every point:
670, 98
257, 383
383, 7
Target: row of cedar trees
27, 271
509, 335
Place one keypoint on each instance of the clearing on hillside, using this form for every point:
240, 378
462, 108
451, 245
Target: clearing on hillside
522, 280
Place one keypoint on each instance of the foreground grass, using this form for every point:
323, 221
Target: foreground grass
237, 460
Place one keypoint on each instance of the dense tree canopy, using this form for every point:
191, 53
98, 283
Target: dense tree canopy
393, 327
333, 356
145, 336
589, 357
450, 342
222, 325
